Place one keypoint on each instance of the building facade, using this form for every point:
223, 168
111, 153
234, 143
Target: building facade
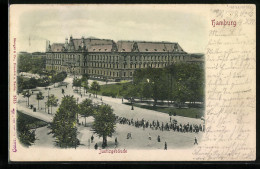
107, 59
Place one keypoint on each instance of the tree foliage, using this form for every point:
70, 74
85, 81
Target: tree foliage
28, 63
86, 109
52, 101
25, 135
63, 126
180, 82
95, 87
27, 94
105, 123
39, 97
84, 82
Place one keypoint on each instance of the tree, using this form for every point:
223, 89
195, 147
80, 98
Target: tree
27, 94
76, 83
95, 87
84, 84
39, 97
52, 101
63, 126
25, 134
86, 109
105, 123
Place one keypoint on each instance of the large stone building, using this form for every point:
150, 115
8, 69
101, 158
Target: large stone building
107, 59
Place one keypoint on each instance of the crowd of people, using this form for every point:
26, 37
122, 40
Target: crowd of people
156, 125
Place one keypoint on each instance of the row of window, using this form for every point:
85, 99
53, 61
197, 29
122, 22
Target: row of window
99, 57
59, 56
155, 58
108, 73
102, 65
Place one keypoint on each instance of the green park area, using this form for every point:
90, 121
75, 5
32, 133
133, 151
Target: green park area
185, 112
181, 84
26, 126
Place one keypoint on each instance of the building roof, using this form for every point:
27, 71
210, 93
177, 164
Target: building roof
100, 48
146, 46
125, 46
106, 45
91, 42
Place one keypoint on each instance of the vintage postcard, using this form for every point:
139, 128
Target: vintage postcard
100, 82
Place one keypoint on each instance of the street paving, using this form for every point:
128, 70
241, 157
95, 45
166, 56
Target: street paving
139, 136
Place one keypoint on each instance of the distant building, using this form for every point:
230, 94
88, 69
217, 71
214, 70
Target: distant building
39, 55
107, 59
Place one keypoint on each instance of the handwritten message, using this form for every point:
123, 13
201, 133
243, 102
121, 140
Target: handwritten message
230, 86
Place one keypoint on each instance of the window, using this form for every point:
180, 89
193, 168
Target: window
131, 73
135, 65
124, 73
124, 65
117, 74
130, 65
113, 73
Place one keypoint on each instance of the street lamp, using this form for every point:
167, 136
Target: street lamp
77, 112
48, 101
132, 104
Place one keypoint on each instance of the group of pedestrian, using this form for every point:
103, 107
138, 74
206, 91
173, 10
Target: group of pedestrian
156, 125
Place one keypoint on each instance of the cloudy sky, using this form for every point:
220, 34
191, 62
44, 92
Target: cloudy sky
183, 24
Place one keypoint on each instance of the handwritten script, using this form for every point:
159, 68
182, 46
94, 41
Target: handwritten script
230, 87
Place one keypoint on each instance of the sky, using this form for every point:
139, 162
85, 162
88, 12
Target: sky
183, 24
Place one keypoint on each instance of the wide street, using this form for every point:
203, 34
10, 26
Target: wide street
139, 135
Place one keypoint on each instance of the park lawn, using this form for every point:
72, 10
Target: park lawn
112, 89
31, 122
185, 112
